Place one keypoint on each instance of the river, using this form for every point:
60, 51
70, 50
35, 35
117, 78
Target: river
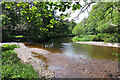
74, 60
67, 47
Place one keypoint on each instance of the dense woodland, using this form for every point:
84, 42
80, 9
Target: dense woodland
37, 21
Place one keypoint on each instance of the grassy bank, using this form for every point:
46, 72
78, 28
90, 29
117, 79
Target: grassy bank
99, 37
12, 67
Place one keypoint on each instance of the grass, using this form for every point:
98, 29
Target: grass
106, 37
12, 67
84, 38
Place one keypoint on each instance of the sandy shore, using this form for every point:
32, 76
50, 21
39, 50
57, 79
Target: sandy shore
101, 44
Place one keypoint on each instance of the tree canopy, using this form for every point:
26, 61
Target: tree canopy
103, 18
38, 18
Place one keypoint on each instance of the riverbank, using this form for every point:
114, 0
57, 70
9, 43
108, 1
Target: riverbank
59, 65
100, 44
25, 55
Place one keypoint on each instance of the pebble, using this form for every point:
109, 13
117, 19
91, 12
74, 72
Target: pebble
25, 55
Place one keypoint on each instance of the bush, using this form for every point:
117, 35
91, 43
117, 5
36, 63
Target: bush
106, 37
84, 38
18, 70
12, 67
9, 47
9, 56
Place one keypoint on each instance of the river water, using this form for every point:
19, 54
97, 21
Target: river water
74, 60
76, 50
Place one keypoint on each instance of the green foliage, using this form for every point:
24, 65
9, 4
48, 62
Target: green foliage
78, 29
4, 18
117, 55
12, 67
18, 71
6, 47
106, 37
101, 22
37, 19
84, 38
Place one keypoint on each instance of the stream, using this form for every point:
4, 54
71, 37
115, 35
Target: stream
67, 47
74, 60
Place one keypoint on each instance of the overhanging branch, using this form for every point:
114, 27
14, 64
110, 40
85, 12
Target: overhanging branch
83, 9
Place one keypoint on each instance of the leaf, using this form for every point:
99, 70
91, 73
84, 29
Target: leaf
52, 21
39, 14
50, 15
46, 29
51, 26
8, 7
62, 17
47, 25
35, 3
27, 17
18, 5
25, 11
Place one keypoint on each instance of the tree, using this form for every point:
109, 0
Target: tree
103, 18
78, 29
40, 17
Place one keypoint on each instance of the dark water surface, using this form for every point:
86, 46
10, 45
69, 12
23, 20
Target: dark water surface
67, 47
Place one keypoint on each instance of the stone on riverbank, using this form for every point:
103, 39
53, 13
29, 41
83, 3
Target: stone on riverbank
25, 55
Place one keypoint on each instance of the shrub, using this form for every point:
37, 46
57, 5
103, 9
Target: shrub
84, 38
6, 47
18, 70
12, 67
9, 56
106, 37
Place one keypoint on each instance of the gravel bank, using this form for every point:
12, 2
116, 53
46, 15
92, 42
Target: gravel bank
61, 66
26, 56
100, 44
66, 67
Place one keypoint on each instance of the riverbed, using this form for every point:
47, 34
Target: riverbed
61, 58
78, 50
74, 60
